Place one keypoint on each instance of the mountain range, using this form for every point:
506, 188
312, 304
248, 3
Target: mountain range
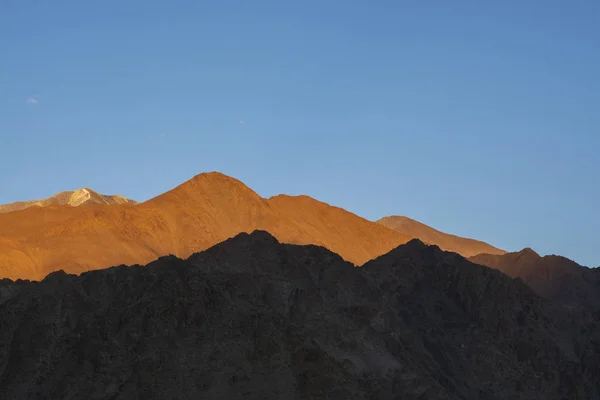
402, 224
254, 318
39, 237
197, 214
83, 230
212, 291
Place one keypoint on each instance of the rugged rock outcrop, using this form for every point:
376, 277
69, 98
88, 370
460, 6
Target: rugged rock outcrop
253, 318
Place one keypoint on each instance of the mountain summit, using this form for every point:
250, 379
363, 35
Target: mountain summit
73, 198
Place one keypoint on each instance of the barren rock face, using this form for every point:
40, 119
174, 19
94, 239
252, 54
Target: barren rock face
253, 318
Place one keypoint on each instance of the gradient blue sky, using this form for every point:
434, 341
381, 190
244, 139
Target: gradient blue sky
478, 118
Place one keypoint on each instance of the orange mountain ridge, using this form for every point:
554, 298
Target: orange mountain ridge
197, 214
73, 198
463, 246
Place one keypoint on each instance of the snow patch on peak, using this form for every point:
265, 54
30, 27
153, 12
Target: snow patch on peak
78, 197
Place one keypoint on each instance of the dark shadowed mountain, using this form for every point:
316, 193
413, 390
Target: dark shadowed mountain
445, 241
253, 318
553, 277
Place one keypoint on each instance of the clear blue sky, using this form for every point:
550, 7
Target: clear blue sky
477, 118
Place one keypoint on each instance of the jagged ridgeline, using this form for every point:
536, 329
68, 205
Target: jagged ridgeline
254, 318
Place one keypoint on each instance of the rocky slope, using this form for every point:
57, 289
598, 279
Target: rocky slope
73, 198
463, 246
553, 277
197, 214
253, 318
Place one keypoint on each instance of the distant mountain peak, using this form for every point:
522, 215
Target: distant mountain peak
529, 252
206, 184
72, 198
214, 177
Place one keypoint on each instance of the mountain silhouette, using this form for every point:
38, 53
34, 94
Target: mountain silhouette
253, 318
463, 246
195, 215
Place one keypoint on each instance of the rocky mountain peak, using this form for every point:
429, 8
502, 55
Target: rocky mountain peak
74, 198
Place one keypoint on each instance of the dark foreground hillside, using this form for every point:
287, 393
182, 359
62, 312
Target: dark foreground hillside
253, 318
